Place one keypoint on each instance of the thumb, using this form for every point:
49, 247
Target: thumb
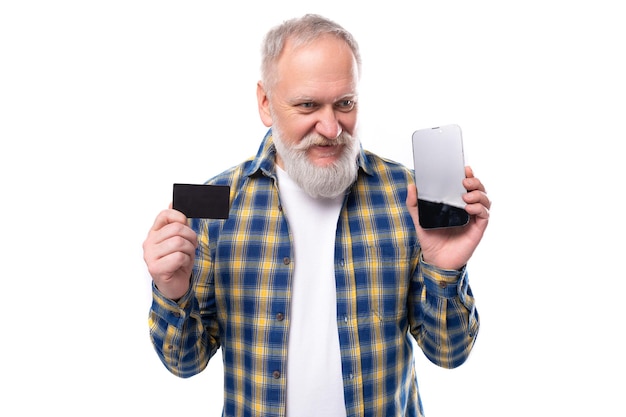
411, 203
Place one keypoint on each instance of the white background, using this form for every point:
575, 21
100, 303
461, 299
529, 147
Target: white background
105, 104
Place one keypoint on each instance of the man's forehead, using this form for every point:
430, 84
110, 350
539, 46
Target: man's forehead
295, 46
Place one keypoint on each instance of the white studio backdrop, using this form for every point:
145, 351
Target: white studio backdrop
104, 105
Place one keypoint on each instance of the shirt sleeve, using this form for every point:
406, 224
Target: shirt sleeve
444, 318
185, 334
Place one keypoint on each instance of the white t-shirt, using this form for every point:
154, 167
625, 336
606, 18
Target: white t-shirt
314, 376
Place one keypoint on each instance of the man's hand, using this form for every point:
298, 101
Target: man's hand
169, 252
451, 248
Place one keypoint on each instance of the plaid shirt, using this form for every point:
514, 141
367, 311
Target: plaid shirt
239, 299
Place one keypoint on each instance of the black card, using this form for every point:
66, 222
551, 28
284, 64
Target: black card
202, 201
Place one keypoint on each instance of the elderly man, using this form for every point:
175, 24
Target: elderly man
320, 276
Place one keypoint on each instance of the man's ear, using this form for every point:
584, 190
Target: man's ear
263, 103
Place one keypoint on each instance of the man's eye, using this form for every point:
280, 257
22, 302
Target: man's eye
346, 104
306, 105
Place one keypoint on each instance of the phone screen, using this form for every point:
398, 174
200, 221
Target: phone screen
439, 172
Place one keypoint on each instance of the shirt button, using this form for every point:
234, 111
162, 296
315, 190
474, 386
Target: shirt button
342, 263
443, 284
276, 374
286, 260
280, 316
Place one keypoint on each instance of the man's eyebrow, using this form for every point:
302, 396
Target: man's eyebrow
307, 99
349, 96
300, 99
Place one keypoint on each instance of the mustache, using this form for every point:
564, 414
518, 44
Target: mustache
314, 139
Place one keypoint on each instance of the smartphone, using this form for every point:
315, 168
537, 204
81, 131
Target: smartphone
439, 165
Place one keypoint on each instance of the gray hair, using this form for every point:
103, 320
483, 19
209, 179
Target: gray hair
300, 31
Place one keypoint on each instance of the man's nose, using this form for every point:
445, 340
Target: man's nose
328, 125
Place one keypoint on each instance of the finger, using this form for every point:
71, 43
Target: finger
477, 197
411, 196
174, 231
168, 216
167, 266
473, 183
478, 210
159, 252
174, 244
169, 233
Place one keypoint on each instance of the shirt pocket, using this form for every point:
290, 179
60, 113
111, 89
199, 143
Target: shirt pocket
382, 286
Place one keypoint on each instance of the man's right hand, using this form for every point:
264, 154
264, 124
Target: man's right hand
169, 252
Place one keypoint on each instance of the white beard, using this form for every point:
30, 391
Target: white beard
319, 182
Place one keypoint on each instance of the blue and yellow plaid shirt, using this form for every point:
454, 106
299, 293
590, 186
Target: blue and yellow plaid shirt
239, 299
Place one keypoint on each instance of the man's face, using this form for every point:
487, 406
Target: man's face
312, 108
